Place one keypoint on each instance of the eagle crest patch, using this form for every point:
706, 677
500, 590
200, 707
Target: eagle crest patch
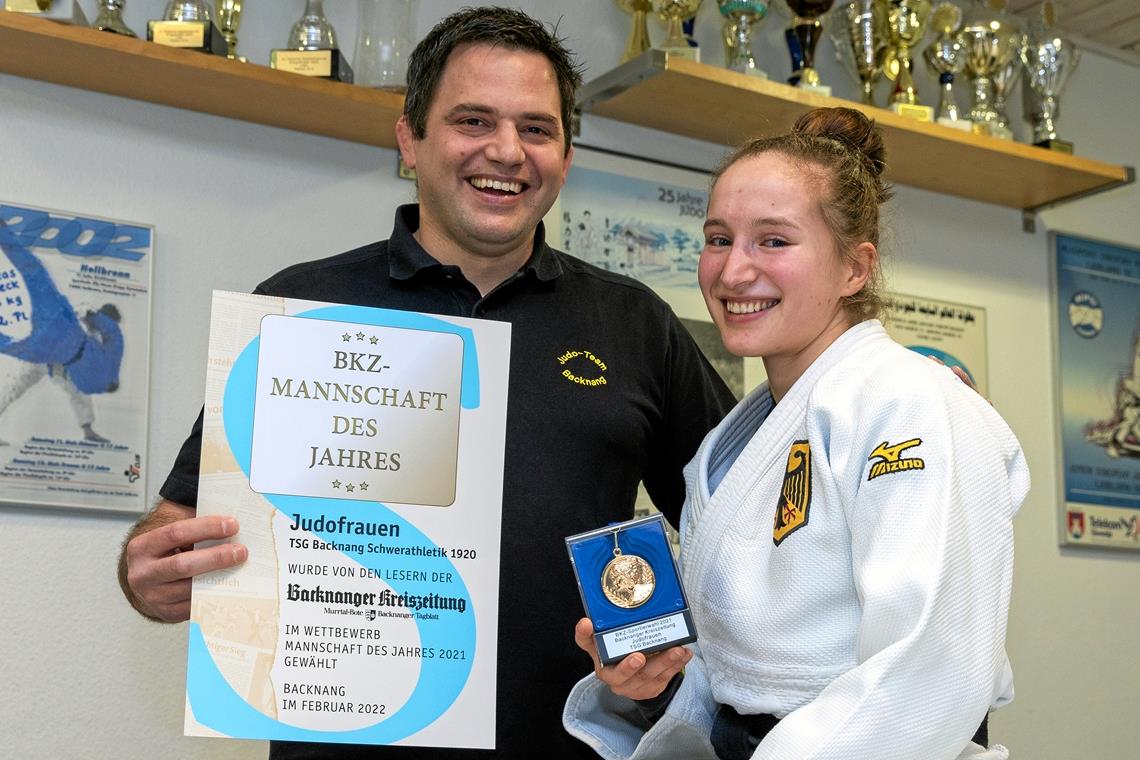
890, 458
795, 493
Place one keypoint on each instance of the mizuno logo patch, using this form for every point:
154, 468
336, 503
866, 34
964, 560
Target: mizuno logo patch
890, 459
795, 493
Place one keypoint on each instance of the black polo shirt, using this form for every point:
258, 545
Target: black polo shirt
607, 389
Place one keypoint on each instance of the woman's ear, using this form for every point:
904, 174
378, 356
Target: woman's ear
860, 264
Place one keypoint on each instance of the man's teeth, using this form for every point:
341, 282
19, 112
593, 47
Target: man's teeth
748, 307
494, 184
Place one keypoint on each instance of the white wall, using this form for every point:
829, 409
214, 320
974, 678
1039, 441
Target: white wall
85, 677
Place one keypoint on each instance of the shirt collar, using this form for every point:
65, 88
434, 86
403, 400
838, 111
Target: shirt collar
406, 256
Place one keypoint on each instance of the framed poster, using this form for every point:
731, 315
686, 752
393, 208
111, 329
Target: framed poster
953, 333
1096, 328
74, 359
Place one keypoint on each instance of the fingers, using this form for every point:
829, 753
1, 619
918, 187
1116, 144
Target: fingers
641, 677
161, 561
183, 533
636, 676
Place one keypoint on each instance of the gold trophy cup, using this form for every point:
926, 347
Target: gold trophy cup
906, 26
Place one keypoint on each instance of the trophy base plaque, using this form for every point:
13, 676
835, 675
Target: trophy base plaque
993, 129
959, 124
818, 89
913, 111
1061, 146
66, 11
690, 52
191, 35
631, 589
326, 64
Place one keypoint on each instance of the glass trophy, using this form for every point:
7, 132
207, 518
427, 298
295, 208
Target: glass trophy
631, 588
740, 18
858, 30
906, 26
674, 12
946, 58
110, 18
383, 42
187, 24
1049, 59
312, 48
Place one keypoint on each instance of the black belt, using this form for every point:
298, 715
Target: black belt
736, 737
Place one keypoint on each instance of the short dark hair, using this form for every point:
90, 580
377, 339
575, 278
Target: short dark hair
493, 26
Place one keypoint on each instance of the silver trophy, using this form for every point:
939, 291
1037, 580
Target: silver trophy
187, 10
739, 18
991, 40
312, 48
944, 57
110, 18
857, 29
312, 31
1049, 59
1004, 81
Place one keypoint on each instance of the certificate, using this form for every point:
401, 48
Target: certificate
361, 451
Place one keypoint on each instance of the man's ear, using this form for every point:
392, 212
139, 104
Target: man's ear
406, 140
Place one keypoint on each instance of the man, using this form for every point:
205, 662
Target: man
486, 127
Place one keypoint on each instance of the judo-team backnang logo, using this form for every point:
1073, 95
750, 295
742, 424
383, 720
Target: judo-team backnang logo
891, 461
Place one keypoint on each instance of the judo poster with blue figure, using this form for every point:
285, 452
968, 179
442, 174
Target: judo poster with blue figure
361, 451
1097, 328
74, 344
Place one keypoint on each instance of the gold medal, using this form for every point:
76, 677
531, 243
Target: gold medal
627, 579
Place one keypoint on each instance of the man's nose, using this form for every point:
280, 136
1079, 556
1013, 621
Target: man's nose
506, 146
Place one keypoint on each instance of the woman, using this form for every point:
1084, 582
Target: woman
847, 544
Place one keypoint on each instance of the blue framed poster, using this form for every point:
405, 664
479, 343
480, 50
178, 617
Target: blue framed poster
1096, 308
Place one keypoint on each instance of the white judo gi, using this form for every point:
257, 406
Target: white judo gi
850, 574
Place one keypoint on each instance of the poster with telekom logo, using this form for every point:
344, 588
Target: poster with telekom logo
361, 451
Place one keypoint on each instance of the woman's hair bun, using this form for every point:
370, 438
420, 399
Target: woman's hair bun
849, 127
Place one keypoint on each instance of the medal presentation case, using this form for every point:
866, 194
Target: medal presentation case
631, 588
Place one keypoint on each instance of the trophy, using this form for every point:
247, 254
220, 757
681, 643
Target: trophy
674, 12
1004, 80
312, 50
802, 38
110, 18
638, 41
631, 588
906, 25
739, 17
1049, 59
858, 30
991, 41
229, 16
383, 41
945, 58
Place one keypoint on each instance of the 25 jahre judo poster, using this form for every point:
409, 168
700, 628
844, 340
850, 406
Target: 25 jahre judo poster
1097, 323
361, 451
74, 343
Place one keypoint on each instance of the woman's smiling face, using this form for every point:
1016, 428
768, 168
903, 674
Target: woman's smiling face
770, 273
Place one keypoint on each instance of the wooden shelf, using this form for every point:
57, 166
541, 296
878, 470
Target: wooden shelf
80, 57
710, 103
